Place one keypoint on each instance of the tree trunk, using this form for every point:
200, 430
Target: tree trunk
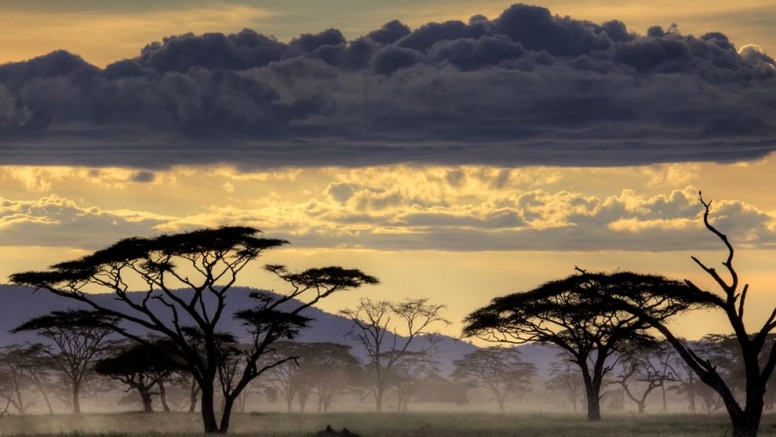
163, 397
76, 400
226, 414
302, 401
379, 391
747, 424
209, 422
145, 396
593, 403
193, 392
665, 401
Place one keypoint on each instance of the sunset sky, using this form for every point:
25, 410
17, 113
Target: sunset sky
465, 151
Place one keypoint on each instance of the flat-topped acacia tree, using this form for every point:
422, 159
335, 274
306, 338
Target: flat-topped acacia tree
577, 314
183, 285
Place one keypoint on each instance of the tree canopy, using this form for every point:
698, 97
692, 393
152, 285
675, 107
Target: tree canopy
181, 283
578, 314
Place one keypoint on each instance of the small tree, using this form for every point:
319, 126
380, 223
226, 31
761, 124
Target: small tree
79, 338
17, 368
377, 326
329, 369
639, 366
576, 314
141, 367
566, 377
501, 370
186, 279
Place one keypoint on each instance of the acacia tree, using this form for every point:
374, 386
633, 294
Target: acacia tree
757, 349
575, 314
17, 368
377, 326
407, 373
141, 367
501, 370
329, 369
183, 282
79, 338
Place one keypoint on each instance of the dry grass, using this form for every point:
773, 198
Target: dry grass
379, 425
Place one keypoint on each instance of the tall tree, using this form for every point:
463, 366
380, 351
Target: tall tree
757, 348
185, 280
575, 314
386, 330
500, 370
79, 338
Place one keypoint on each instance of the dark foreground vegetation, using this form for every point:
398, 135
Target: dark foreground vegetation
381, 425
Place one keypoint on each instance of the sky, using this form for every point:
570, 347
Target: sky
456, 150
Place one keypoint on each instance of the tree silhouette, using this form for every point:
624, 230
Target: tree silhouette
377, 326
142, 367
566, 377
577, 315
643, 365
79, 338
757, 350
21, 368
500, 370
183, 282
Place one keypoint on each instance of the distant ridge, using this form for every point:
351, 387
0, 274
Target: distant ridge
18, 304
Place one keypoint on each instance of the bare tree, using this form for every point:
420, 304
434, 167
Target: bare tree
639, 366
386, 330
757, 349
186, 279
566, 377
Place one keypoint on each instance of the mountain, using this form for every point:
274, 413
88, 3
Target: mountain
18, 304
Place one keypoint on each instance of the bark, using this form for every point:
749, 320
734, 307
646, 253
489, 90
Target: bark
76, 400
163, 397
145, 396
226, 414
209, 422
593, 403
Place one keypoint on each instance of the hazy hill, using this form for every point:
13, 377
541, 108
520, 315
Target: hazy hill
18, 304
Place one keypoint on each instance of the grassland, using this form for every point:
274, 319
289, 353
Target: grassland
378, 425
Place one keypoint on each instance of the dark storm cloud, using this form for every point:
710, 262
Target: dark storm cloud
524, 88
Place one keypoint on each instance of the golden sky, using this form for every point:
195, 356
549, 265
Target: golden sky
444, 180
459, 240
109, 30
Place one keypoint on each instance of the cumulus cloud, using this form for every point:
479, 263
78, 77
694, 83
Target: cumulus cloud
526, 87
369, 215
56, 221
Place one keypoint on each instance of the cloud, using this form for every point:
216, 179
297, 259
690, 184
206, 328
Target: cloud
523, 88
377, 215
56, 221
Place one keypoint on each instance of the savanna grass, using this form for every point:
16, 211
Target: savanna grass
378, 425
